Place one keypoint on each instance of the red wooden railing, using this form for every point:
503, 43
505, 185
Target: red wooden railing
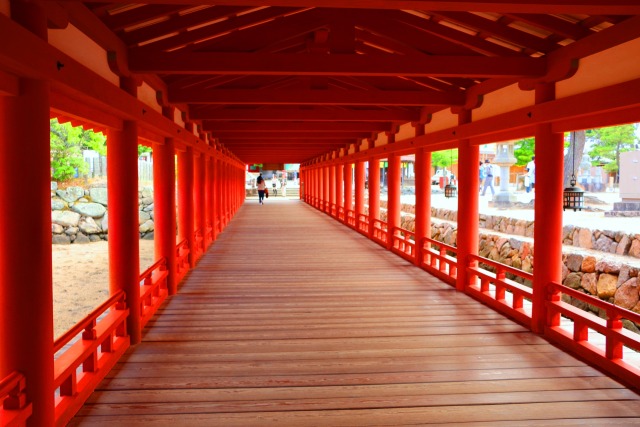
508, 296
499, 292
351, 218
608, 356
14, 409
182, 260
362, 225
404, 243
378, 232
101, 340
198, 243
209, 236
438, 261
153, 290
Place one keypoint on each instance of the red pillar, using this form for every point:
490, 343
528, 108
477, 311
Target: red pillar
124, 238
339, 187
209, 198
468, 183
198, 198
164, 206
423, 200
26, 296
393, 197
348, 187
185, 201
374, 193
332, 188
547, 235
359, 189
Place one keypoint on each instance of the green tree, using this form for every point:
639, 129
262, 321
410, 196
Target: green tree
67, 143
609, 143
444, 159
523, 150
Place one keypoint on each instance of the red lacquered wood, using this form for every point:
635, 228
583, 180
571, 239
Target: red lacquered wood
393, 196
165, 208
468, 184
122, 186
548, 210
423, 199
374, 192
186, 226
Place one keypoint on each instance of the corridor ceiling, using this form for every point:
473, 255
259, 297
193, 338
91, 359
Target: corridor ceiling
287, 81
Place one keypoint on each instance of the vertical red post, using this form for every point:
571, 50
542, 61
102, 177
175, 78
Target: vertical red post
26, 296
185, 201
164, 207
124, 237
206, 190
211, 195
374, 193
332, 187
348, 187
468, 179
359, 189
339, 187
393, 197
423, 201
198, 198
547, 239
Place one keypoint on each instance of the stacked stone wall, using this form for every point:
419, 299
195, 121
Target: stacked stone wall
607, 269
80, 215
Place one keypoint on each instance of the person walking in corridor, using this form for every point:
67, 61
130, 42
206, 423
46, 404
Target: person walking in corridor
261, 188
488, 178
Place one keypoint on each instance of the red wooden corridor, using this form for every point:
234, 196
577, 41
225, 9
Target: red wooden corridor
292, 318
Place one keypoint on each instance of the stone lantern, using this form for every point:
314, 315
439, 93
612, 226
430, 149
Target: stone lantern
505, 159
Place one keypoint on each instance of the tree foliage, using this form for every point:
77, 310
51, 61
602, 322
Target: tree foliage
523, 150
67, 143
609, 143
444, 159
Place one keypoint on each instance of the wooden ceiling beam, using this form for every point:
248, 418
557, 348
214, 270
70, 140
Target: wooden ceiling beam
335, 65
500, 31
267, 127
312, 114
180, 23
286, 135
317, 97
587, 7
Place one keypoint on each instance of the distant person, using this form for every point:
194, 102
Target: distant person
261, 188
531, 174
488, 178
284, 187
482, 176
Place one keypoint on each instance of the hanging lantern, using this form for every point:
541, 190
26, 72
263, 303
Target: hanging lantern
450, 190
573, 197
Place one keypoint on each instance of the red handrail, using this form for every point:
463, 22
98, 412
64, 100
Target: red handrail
14, 409
379, 231
499, 292
439, 262
404, 243
103, 340
363, 224
153, 290
182, 260
609, 355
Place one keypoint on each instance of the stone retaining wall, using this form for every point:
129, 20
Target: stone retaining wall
79, 215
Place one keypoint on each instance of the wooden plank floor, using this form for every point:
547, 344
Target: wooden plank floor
292, 319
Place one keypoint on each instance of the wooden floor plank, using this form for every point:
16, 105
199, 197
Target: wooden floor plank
304, 322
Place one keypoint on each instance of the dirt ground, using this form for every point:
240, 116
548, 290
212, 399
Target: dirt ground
81, 280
